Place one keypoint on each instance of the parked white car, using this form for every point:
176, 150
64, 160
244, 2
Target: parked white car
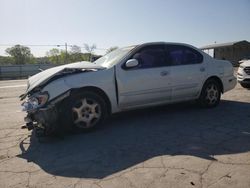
243, 75
81, 95
247, 58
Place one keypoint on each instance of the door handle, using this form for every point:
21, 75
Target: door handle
164, 73
202, 69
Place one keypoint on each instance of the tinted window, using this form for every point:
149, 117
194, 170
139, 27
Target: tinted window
150, 56
182, 55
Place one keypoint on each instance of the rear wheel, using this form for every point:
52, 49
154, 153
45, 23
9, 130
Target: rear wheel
87, 110
210, 94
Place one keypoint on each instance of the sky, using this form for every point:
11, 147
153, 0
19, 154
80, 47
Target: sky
121, 23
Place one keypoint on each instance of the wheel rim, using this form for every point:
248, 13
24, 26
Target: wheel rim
86, 113
212, 94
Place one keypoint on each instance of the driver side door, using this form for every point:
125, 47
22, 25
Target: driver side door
148, 83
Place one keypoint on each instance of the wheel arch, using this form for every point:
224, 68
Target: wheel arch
216, 78
96, 90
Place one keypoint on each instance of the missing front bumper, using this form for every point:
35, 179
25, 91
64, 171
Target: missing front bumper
42, 120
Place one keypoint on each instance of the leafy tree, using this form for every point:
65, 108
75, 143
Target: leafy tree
90, 49
111, 49
75, 49
21, 54
6, 60
63, 57
75, 54
42, 60
53, 52
57, 56
54, 55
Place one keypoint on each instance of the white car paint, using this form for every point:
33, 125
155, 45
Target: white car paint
128, 89
43, 76
142, 86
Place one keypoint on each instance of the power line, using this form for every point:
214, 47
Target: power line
58, 45
48, 45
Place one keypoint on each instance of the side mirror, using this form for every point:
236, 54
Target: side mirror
132, 63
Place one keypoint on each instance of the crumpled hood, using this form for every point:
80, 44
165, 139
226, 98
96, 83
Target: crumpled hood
42, 77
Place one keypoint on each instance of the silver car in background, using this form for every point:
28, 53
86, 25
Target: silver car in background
81, 95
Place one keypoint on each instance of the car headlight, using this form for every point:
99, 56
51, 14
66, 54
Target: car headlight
35, 101
42, 98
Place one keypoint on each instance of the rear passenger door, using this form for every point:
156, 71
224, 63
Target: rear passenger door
187, 71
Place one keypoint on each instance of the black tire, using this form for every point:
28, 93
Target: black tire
80, 108
245, 85
210, 94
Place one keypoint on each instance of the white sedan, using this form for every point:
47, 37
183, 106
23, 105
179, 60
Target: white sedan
81, 95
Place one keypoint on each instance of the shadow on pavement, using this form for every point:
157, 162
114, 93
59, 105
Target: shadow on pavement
133, 137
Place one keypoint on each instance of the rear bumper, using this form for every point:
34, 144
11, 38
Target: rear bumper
229, 83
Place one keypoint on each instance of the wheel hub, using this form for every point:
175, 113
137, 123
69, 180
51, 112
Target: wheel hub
86, 114
212, 94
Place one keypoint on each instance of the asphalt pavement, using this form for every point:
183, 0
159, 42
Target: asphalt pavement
178, 145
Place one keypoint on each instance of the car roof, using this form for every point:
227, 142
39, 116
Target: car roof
165, 43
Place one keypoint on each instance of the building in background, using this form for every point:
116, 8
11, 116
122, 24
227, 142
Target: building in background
232, 51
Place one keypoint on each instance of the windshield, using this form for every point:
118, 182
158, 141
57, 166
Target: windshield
113, 57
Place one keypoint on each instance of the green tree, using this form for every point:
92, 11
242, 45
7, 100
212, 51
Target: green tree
6, 60
20, 54
63, 57
75, 54
54, 55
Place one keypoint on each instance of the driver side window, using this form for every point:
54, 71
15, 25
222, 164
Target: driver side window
150, 57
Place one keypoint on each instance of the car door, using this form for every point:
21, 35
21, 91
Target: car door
149, 82
188, 71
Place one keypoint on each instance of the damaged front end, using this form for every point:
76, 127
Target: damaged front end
40, 115
42, 109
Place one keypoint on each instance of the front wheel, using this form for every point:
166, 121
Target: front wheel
210, 94
87, 110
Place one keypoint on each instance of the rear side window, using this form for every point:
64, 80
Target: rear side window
183, 55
